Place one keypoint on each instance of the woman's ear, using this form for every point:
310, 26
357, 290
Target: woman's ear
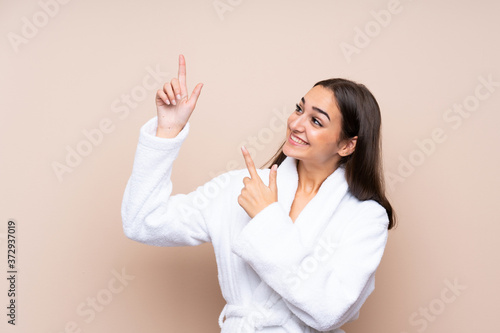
349, 145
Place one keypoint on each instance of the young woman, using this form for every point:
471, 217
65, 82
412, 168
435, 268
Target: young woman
297, 245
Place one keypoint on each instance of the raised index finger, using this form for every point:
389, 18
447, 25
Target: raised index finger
182, 76
249, 163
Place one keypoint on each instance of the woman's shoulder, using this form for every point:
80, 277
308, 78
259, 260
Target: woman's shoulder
365, 211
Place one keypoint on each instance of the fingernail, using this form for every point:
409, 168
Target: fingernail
178, 96
243, 148
167, 102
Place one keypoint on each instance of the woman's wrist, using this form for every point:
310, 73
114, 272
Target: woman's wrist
167, 132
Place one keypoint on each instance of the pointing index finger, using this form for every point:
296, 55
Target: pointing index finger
182, 76
249, 163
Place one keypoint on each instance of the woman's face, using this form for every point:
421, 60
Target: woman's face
314, 129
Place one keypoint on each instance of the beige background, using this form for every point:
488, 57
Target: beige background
256, 59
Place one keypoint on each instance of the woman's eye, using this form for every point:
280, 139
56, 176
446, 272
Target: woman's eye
316, 122
297, 108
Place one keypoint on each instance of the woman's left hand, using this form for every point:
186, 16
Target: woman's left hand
256, 195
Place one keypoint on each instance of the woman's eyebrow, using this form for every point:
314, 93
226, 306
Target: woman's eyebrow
316, 109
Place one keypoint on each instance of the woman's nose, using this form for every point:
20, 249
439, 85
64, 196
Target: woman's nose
297, 123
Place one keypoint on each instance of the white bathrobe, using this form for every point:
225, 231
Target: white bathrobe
275, 275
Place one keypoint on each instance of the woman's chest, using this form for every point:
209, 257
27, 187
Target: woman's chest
300, 201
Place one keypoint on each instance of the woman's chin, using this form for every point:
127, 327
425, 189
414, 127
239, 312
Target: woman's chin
289, 151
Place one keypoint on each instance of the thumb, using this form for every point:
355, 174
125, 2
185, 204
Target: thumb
195, 94
272, 178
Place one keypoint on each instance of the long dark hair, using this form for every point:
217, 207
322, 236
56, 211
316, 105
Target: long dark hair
360, 117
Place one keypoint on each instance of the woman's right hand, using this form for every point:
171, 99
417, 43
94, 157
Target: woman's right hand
173, 105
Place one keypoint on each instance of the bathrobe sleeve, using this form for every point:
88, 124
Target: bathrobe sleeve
323, 285
150, 214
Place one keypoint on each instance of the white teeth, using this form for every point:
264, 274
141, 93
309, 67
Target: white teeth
295, 139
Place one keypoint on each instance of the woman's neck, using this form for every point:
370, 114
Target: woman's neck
311, 176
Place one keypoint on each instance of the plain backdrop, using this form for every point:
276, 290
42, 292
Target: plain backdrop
78, 80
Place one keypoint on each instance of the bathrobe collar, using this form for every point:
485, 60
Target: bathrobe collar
323, 204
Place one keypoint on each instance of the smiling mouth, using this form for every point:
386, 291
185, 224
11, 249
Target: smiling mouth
297, 140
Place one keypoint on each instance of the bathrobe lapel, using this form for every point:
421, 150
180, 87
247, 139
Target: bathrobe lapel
318, 213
